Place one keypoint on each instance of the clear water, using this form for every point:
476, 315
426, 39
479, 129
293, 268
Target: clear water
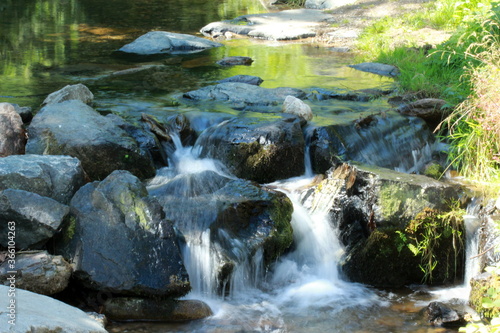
46, 44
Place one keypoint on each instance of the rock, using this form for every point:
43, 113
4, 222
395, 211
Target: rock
248, 79
255, 149
297, 107
385, 139
38, 272
241, 95
37, 218
377, 68
120, 242
439, 314
432, 110
235, 60
162, 42
177, 126
25, 112
73, 128
369, 205
70, 92
240, 217
326, 4
38, 313
128, 308
282, 25
479, 291
12, 133
56, 177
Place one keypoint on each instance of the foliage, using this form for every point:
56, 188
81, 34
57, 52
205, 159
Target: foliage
424, 235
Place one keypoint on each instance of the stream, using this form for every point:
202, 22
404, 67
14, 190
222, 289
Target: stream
47, 44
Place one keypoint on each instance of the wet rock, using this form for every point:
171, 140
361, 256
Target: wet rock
56, 177
241, 219
235, 60
377, 68
12, 133
432, 110
73, 128
128, 308
38, 272
162, 42
256, 149
37, 218
369, 205
120, 242
385, 139
44, 314
297, 107
248, 79
70, 92
282, 25
439, 314
174, 126
241, 95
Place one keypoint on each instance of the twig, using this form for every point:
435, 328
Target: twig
483, 253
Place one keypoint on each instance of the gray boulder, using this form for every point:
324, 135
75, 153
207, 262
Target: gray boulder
297, 107
440, 314
12, 133
377, 68
73, 128
241, 95
248, 79
56, 177
129, 308
70, 92
162, 42
37, 313
257, 149
37, 218
38, 272
282, 25
120, 242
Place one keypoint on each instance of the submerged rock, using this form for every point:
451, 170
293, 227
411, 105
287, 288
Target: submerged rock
12, 133
120, 242
37, 218
255, 149
38, 272
73, 128
56, 177
162, 42
70, 92
248, 79
370, 205
38, 313
235, 60
128, 308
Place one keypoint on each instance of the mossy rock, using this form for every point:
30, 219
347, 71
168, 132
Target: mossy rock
480, 285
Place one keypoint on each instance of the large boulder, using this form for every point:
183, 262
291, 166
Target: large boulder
377, 212
27, 312
162, 42
37, 218
242, 95
38, 272
385, 139
256, 149
56, 177
235, 218
73, 128
12, 132
282, 25
119, 241
130, 308
76, 91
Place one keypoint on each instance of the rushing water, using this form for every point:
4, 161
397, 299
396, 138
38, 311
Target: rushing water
47, 44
